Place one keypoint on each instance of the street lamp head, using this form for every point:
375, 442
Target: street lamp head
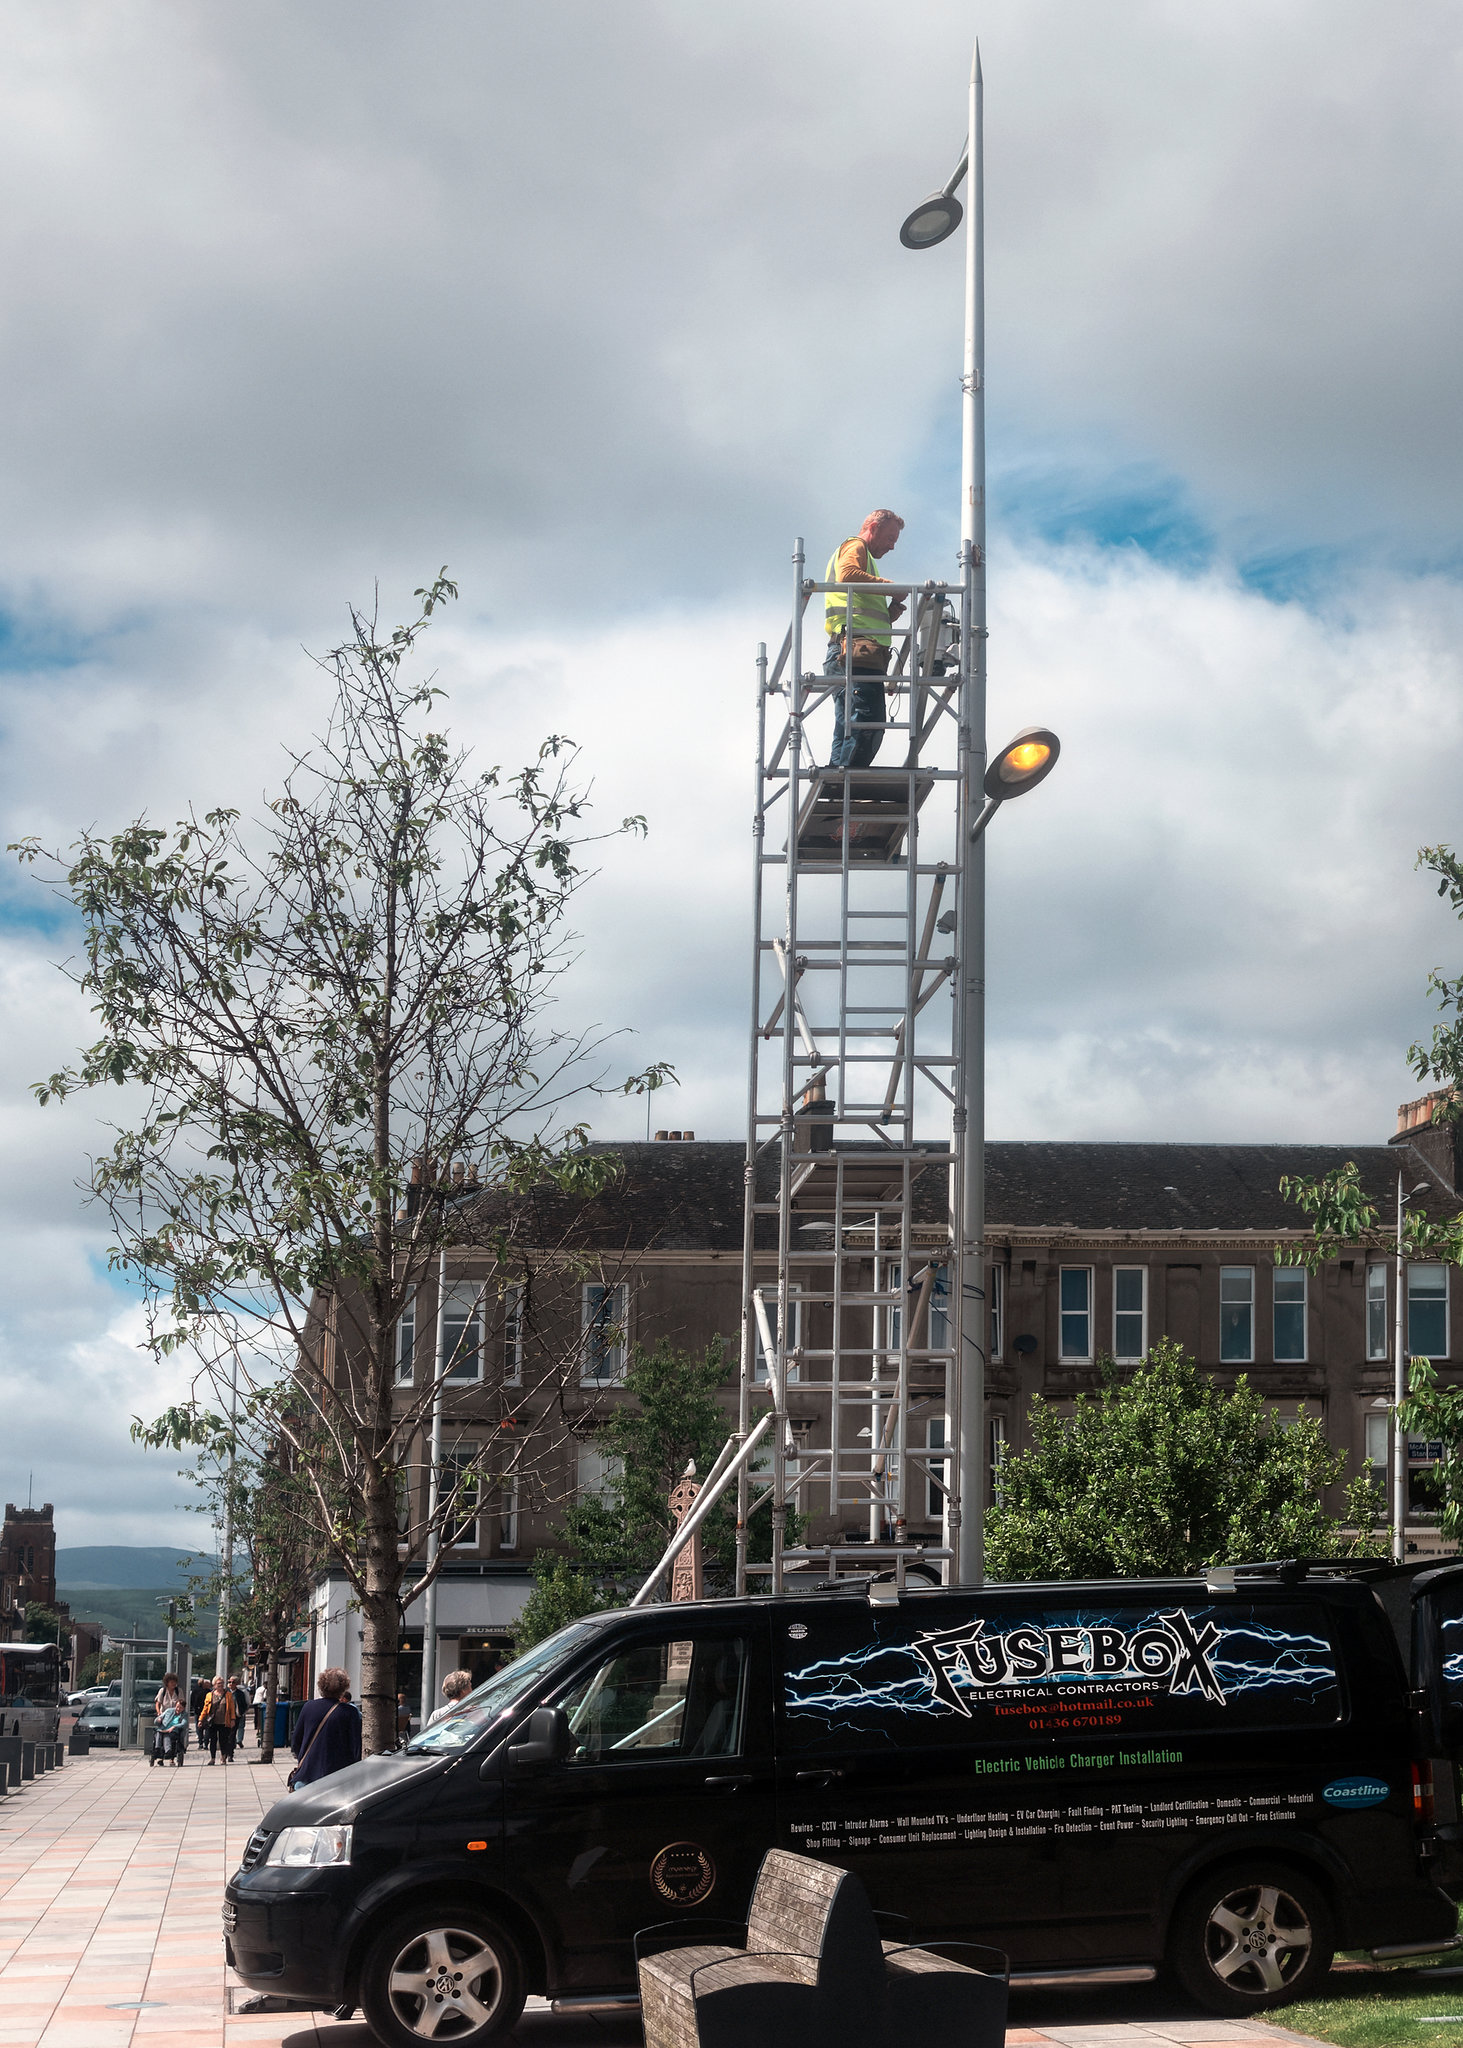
934, 220
1022, 763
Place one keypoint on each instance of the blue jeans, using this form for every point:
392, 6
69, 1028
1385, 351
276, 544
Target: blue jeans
856, 748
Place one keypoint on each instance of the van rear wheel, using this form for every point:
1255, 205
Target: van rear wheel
1250, 1936
444, 1975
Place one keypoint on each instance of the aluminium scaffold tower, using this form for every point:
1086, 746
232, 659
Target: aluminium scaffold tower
854, 1127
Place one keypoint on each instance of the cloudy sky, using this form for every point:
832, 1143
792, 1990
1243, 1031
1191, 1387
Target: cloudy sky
602, 307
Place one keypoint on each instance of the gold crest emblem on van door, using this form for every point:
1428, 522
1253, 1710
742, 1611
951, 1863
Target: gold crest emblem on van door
683, 1874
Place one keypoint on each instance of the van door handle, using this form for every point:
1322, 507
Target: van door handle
823, 1777
733, 1784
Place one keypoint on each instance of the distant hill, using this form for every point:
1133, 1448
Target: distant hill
104, 1566
123, 1610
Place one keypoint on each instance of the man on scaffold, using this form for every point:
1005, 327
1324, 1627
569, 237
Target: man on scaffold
864, 619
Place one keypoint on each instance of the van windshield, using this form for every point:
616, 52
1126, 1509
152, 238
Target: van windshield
503, 1690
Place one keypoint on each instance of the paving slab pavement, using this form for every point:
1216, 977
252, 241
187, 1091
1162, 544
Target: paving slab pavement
111, 1875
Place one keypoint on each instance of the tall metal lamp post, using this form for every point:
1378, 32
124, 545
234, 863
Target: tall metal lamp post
1399, 1380
931, 222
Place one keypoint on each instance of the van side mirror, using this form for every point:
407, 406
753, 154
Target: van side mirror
543, 1738
1437, 1657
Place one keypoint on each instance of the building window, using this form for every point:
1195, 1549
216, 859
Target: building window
406, 1342
1379, 1449
998, 1311
513, 1336
606, 1312
1076, 1298
1129, 1311
1427, 1311
935, 1484
1289, 1314
794, 1332
595, 1476
1377, 1345
508, 1514
937, 1320
462, 1332
1423, 1496
1237, 1314
461, 1486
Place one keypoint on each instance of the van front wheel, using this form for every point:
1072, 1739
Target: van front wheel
1251, 1936
443, 1975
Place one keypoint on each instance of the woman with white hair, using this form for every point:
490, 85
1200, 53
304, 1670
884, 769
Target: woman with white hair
455, 1686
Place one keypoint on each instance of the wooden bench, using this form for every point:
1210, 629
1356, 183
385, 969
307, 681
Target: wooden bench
812, 1972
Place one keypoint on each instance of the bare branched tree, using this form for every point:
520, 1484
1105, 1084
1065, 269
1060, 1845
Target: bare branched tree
299, 1011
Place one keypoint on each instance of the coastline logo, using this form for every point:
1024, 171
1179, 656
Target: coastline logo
1356, 1791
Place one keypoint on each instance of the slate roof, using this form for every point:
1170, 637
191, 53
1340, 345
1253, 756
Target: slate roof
1175, 1187
687, 1196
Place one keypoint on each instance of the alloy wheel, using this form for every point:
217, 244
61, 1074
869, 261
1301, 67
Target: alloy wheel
1258, 1939
445, 1984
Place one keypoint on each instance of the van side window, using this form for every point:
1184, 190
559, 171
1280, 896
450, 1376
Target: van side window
659, 1701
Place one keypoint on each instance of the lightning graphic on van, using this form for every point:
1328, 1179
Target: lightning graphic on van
1452, 1658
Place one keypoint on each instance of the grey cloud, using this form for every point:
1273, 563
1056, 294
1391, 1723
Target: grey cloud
293, 297
290, 299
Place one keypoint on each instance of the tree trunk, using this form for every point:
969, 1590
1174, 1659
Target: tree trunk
271, 1695
379, 1623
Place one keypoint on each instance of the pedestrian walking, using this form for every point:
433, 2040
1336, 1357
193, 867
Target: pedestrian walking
327, 1735
241, 1706
197, 1694
219, 1720
455, 1686
170, 1723
403, 1720
261, 1700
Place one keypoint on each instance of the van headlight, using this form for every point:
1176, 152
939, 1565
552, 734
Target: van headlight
298, 1847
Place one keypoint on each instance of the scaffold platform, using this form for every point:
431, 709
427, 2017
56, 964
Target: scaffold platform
852, 1273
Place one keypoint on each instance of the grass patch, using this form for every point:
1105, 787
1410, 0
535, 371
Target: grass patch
1382, 2009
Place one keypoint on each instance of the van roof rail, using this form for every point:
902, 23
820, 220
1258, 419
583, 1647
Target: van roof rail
1289, 1570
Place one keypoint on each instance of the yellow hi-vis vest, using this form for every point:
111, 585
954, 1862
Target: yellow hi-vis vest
870, 620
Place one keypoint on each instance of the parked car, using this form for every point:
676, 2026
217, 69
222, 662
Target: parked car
101, 1720
1221, 1774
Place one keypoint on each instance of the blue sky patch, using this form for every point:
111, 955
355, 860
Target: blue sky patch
1128, 507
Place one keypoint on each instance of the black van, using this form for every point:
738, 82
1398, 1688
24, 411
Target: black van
1229, 1776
